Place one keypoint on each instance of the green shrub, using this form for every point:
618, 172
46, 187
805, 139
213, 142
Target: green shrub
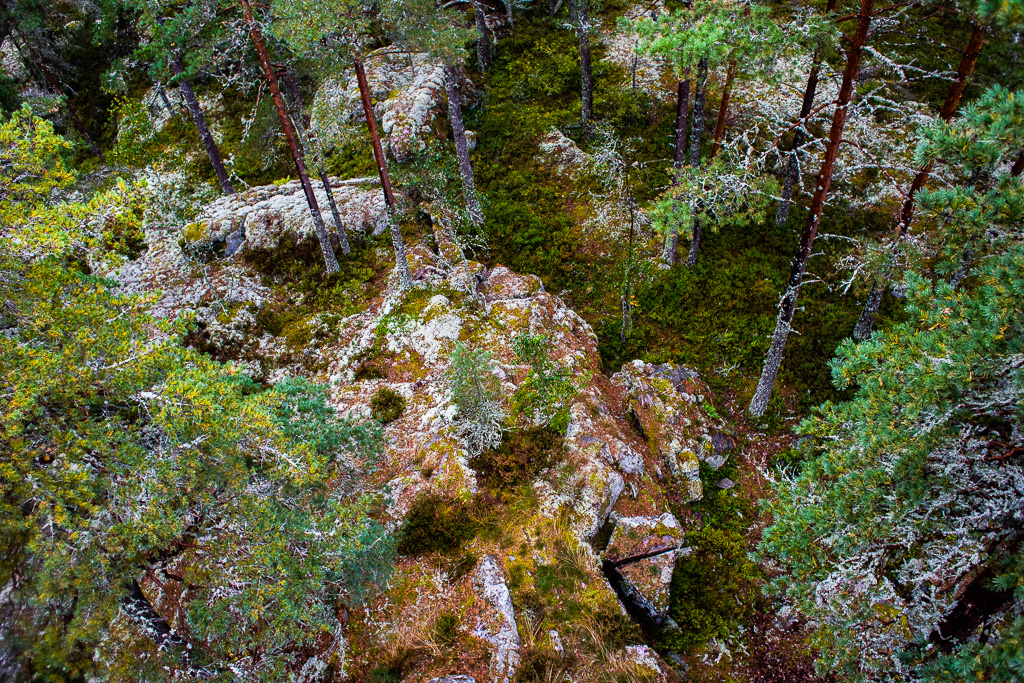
711, 588
523, 454
545, 394
436, 524
446, 629
387, 405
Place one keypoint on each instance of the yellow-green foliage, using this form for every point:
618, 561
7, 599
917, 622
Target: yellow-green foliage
121, 452
31, 164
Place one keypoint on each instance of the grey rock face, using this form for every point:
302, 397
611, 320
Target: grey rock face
502, 631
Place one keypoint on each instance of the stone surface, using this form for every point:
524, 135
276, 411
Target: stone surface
500, 629
561, 154
668, 403
408, 91
657, 538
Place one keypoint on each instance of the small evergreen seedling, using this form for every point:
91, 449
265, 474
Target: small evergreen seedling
476, 392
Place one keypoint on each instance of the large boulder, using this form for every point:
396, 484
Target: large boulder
644, 549
409, 96
498, 626
669, 405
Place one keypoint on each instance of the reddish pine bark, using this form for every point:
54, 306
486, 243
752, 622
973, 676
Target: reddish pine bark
401, 260
289, 134
773, 360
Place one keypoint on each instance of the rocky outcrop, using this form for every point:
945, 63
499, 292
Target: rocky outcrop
669, 405
499, 627
409, 95
561, 154
631, 443
263, 214
644, 550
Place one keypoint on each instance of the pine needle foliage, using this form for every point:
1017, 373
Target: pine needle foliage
476, 391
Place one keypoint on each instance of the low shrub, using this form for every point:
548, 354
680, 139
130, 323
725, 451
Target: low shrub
436, 524
387, 405
523, 454
712, 588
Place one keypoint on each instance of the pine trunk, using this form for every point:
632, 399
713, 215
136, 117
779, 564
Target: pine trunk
401, 260
301, 123
696, 130
289, 134
166, 100
582, 21
866, 322
178, 67
697, 122
956, 90
476, 214
342, 235
483, 43
204, 131
759, 402
723, 110
793, 166
671, 253
691, 258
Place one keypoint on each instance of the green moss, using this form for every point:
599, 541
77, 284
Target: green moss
711, 587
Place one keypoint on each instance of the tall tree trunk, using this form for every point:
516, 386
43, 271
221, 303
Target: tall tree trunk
401, 260
697, 116
289, 134
866, 323
671, 253
483, 43
301, 123
582, 20
793, 165
346, 248
723, 109
773, 360
166, 100
76, 121
178, 67
696, 130
204, 131
476, 214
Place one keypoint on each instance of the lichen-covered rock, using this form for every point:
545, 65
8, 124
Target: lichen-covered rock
645, 550
648, 663
264, 214
561, 154
499, 627
668, 403
409, 100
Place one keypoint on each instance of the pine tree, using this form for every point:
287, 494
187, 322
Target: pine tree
476, 391
912, 487
163, 517
968, 59
702, 37
579, 16
169, 41
287, 126
338, 31
419, 26
759, 401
